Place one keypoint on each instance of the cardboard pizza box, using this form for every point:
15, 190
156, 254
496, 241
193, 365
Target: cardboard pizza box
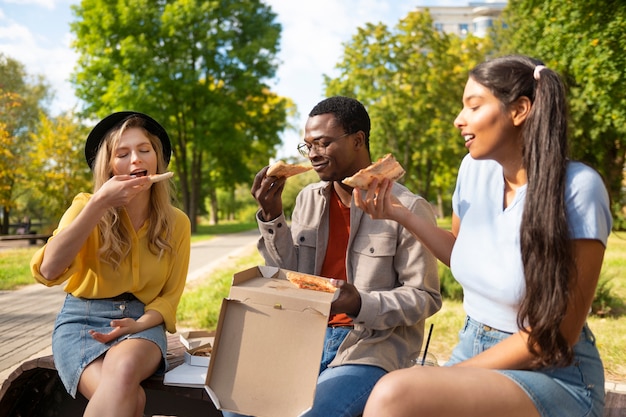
197, 343
268, 345
193, 339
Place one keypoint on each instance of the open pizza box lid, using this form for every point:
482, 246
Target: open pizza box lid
268, 345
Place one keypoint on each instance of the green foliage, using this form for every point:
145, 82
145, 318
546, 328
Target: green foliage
247, 213
584, 41
57, 167
293, 186
411, 80
450, 287
198, 67
605, 302
21, 100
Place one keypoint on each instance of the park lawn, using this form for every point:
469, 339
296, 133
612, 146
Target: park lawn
15, 268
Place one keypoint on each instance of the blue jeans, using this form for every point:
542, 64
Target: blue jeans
342, 391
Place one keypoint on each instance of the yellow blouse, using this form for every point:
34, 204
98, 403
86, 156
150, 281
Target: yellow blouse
158, 283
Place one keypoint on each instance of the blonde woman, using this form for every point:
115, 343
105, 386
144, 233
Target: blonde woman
122, 253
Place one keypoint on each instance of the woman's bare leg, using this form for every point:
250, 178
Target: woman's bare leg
112, 384
448, 391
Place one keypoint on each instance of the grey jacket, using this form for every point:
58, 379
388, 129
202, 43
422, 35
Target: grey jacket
395, 274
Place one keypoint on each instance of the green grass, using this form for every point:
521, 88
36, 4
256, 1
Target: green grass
205, 231
15, 268
200, 304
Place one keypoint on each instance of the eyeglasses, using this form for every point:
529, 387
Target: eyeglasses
319, 145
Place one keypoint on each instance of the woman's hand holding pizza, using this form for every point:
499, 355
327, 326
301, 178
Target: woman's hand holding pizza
379, 202
267, 191
119, 190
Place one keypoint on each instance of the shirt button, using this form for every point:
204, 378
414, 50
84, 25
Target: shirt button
279, 225
371, 250
301, 238
271, 231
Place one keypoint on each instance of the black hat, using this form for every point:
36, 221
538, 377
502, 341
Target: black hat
102, 128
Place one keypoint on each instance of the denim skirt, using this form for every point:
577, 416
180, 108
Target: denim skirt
573, 391
73, 348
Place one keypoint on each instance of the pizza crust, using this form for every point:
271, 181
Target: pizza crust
310, 282
160, 177
282, 169
385, 167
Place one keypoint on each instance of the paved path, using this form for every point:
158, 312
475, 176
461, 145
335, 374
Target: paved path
27, 315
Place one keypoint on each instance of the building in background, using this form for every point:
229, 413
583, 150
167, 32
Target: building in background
475, 18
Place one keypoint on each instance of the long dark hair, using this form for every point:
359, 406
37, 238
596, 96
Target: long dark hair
544, 233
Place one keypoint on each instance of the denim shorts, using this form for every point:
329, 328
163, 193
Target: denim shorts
573, 391
73, 348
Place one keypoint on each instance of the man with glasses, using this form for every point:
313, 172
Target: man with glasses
388, 281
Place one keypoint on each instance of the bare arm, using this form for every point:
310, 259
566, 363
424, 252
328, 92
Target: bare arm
61, 251
379, 203
127, 325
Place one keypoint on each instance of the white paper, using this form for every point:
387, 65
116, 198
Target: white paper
185, 375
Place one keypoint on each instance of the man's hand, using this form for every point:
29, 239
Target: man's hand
120, 328
267, 191
348, 301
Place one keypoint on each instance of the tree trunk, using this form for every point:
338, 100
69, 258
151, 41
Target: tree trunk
214, 206
5, 220
439, 205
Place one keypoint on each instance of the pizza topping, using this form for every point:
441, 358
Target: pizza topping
310, 282
385, 167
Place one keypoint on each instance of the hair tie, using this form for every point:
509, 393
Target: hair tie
538, 69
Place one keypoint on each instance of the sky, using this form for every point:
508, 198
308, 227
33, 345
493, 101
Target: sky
37, 34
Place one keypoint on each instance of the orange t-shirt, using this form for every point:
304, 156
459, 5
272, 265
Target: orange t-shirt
335, 260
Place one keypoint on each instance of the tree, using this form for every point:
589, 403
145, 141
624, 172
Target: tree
411, 80
57, 166
21, 101
198, 67
585, 43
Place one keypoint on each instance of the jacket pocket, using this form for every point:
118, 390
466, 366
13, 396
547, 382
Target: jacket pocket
372, 260
375, 245
306, 243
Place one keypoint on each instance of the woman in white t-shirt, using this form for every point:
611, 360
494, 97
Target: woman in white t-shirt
529, 231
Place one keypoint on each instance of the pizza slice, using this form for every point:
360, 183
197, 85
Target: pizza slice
160, 177
310, 282
385, 167
282, 169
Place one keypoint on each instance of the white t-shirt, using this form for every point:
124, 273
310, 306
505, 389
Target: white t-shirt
486, 258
